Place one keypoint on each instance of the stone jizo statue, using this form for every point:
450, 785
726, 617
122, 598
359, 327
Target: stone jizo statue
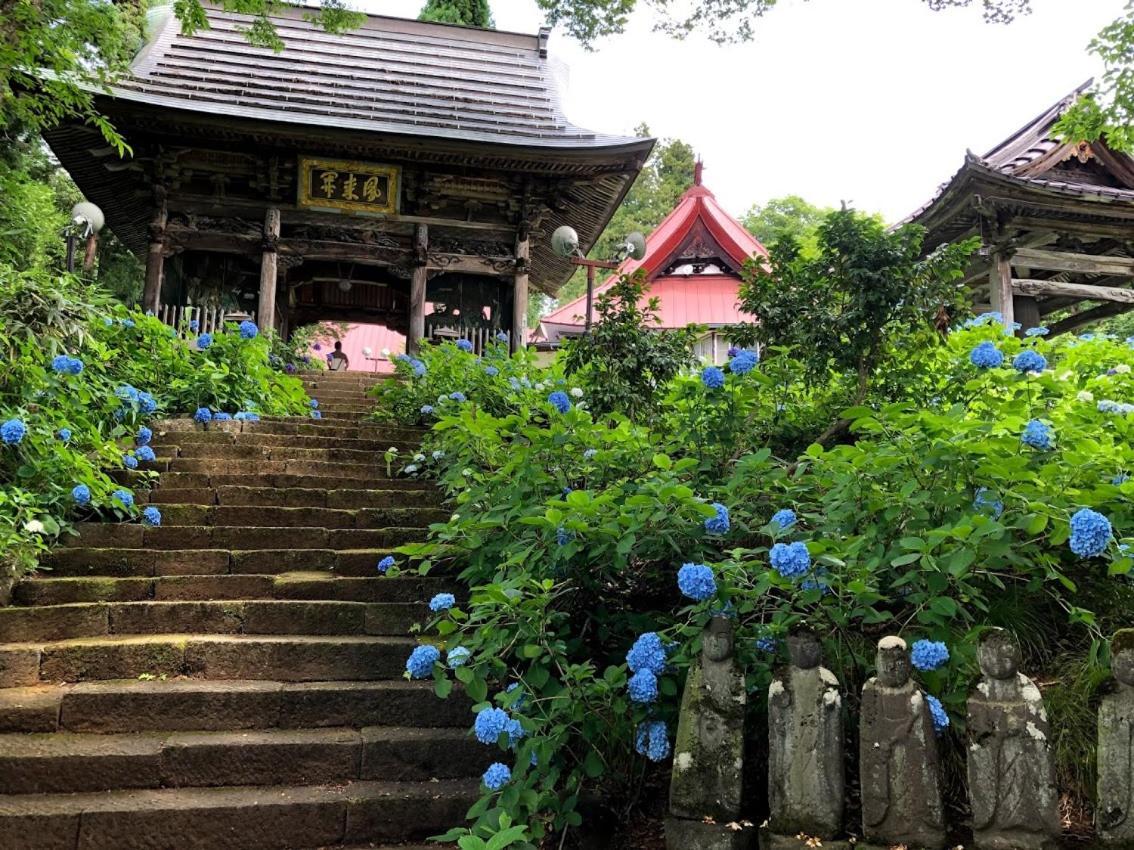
708, 760
1115, 813
901, 786
805, 745
1011, 773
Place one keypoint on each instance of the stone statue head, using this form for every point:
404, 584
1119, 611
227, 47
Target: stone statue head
1122, 656
999, 655
716, 645
804, 649
893, 661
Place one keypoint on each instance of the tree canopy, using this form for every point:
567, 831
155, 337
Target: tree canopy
470, 13
782, 218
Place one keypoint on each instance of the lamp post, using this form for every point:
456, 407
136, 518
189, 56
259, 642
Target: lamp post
86, 221
565, 243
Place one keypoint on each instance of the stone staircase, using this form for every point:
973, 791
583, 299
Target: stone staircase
233, 678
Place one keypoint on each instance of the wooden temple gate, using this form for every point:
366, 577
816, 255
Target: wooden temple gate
354, 178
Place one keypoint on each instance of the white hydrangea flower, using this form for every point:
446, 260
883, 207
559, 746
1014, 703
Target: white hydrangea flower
419, 457
34, 526
1065, 376
393, 450
1122, 368
410, 469
437, 455
576, 392
466, 472
540, 386
1085, 395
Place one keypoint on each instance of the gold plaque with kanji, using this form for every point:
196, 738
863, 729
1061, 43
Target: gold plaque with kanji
335, 184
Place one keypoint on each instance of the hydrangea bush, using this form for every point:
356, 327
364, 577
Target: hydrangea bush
596, 549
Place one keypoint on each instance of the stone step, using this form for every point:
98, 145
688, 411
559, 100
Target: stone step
277, 481
295, 497
130, 705
293, 585
245, 817
75, 762
111, 562
272, 516
298, 658
184, 439
337, 472
136, 536
258, 616
251, 451
291, 425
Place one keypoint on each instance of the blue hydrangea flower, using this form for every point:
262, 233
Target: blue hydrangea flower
146, 402
491, 371
563, 536
490, 724
127, 323
203, 414
204, 341
589, 454
143, 437
123, 496
426, 409
65, 435
67, 365
984, 501
1090, 533
743, 362
785, 518
1038, 435
1120, 479
817, 582
314, 403
938, 713
442, 602
501, 337
458, 397
385, 564
643, 686
13, 432
221, 416
420, 662
81, 494
129, 461
145, 454
696, 581
719, 524
457, 656
1029, 360
560, 401
515, 732
126, 392
791, 560
928, 655
986, 356
712, 377
464, 345
151, 516
316, 414
248, 329
194, 326
652, 740
497, 776
1041, 331
647, 653
767, 644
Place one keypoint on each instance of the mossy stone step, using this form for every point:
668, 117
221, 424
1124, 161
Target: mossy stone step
76, 762
292, 658
262, 440
251, 451
333, 472
132, 705
256, 616
291, 425
278, 481
295, 497
293, 585
272, 817
259, 516
134, 536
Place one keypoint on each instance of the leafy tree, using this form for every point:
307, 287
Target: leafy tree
844, 309
667, 174
1108, 109
789, 217
471, 13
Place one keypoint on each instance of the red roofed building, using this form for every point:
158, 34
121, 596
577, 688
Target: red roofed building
693, 261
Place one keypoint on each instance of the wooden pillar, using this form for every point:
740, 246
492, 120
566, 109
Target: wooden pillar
155, 262
269, 269
1027, 312
519, 334
1000, 285
417, 290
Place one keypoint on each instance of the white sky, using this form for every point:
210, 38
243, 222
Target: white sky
869, 101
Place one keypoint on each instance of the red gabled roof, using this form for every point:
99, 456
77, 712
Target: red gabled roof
708, 299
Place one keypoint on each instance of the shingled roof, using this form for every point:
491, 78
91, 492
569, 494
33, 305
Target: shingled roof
389, 75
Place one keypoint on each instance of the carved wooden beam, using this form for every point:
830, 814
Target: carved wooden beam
1073, 290
1062, 261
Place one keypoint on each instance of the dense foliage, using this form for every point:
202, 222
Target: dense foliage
993, 491
470, 13
79, 377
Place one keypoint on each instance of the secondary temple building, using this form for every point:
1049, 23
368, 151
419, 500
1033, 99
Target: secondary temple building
692, 264
355, 177
1056, 222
